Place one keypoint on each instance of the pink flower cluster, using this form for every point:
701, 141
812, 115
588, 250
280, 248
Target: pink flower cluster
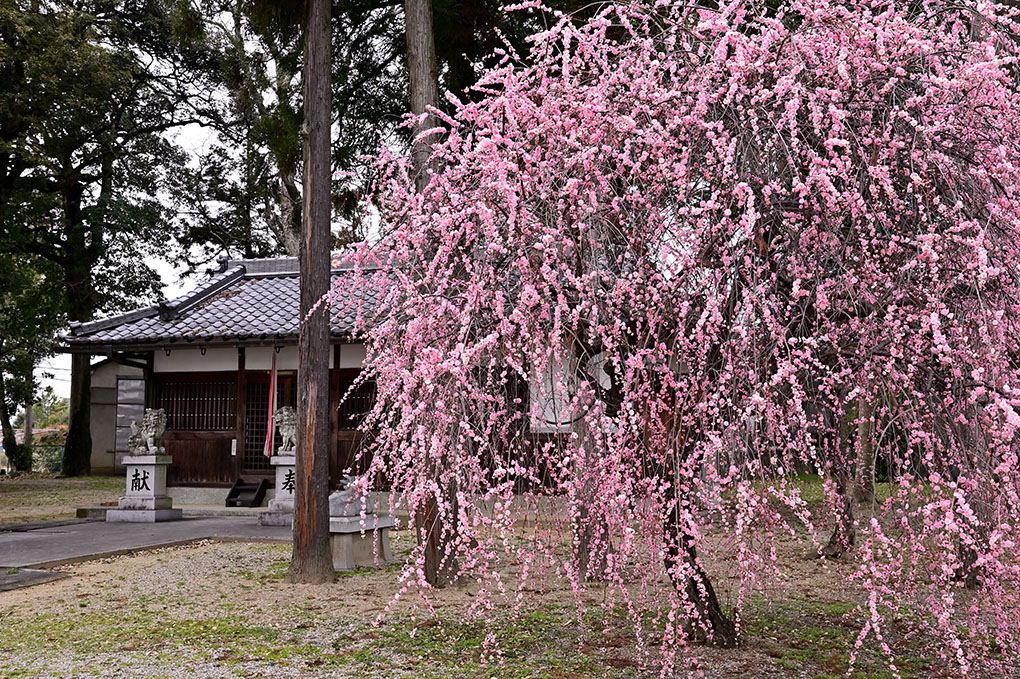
666, 256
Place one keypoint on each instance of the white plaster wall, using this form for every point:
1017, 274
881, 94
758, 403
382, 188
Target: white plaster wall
255, 358
261, 358
351, 355
192, 360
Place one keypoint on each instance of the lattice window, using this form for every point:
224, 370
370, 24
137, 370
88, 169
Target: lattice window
255, 427
357, 404
197, 405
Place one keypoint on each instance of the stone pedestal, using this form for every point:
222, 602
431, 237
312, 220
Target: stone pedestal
146, 500
352, 549
281, 507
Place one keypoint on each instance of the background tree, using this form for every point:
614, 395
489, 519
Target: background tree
90, 92
48, 412
30, 313
716, 226
248, 199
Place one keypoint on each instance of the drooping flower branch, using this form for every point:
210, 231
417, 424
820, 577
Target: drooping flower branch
677, 255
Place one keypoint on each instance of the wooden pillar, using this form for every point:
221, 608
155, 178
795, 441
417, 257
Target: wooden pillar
242, 411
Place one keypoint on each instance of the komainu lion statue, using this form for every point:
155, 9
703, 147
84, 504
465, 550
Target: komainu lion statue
286, 421
148, 438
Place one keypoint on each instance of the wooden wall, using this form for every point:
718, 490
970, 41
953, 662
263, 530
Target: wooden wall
218, 402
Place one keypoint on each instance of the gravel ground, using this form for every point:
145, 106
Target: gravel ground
217, 610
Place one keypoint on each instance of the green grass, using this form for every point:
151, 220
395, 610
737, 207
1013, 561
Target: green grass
818, 638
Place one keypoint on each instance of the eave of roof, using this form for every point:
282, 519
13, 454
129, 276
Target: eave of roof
249, 303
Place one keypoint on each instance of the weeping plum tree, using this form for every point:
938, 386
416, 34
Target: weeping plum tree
703, 237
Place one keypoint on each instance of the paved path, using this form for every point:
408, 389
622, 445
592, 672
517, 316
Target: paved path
54, 545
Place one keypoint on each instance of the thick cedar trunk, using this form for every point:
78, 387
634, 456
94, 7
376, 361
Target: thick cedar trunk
311, 561
708, 621
864, 482
440, 562
424, 82
81, 306
77, 459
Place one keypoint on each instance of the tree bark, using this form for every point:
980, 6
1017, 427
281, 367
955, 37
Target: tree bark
440, 562
424, 81
311, 560
592, 542
11, 448
708, 621
80, 293
844, 533
77, 458
864, 482
26, 446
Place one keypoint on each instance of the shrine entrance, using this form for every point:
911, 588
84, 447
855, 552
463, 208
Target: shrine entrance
254, 460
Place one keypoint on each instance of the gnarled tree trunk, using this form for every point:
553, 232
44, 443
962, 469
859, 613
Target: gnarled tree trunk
690, 579
864, 479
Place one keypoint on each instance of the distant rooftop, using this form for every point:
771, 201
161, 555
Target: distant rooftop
249, 301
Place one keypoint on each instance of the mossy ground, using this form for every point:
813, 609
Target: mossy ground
223, 610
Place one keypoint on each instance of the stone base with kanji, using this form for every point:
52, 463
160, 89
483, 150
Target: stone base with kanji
281, 507
146, 499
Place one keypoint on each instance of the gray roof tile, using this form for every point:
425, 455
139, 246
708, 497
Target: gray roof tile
252, 300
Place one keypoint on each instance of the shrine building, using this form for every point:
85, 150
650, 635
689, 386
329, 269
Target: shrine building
207, 359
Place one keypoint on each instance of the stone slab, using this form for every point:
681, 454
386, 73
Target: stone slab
282, 505
146, 503
276, 519
143, 515
147, 459
354, 550
353, 524
16, 578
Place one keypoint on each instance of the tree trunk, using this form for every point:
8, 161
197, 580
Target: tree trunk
311, 561
80, 293
864, 482
844, 534
26, 446
970, 572
77, 459
424, 81
592, 541
440, 562
692, 583
15, 456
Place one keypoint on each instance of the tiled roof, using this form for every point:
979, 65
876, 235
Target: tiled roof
250, 301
